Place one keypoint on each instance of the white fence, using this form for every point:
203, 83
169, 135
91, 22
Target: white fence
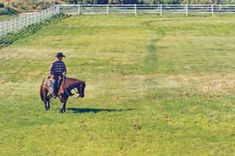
18, 23
146, 9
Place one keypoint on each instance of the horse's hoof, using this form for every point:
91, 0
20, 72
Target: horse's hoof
62, 111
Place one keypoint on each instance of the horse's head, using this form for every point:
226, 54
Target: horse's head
81, 88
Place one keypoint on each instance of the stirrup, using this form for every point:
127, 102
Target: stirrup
53, 95
50, 96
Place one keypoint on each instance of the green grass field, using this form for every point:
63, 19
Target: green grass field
155, 86
5, 17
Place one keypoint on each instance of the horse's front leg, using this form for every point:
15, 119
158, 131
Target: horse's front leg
49, 103
64, 101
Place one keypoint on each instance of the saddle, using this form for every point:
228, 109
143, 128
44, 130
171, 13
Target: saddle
49, 84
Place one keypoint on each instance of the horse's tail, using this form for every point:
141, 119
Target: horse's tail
41, 90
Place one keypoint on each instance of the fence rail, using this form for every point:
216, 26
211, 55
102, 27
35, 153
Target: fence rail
18, 23
146, 9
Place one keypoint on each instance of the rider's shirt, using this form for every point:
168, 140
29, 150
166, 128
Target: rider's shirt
58, 68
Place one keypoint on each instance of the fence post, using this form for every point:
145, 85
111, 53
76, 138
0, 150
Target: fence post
6, 27
20, 22
79, 9
212, 9
49, 13
135, 9
186, 9
57, 9
0, 29
3, 27
36, 17
161, 9
52, 11
107, 9
43, 15
16, 24
26, 20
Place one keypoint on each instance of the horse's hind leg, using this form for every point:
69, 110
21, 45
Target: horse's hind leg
63, 109
64, 101
47, 103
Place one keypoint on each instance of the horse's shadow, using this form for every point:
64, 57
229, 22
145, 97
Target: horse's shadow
96, 110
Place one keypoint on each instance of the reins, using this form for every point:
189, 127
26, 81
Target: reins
64, 85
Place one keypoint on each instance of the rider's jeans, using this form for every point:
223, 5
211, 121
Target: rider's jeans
55, 83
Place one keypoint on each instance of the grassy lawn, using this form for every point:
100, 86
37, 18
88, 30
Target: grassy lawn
155, 86
5, 17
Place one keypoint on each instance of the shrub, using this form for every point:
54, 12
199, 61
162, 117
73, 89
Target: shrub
1, 5
4, 11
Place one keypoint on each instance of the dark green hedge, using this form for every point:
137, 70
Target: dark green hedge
7, 11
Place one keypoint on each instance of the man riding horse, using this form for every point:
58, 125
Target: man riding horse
57, 85
58, 72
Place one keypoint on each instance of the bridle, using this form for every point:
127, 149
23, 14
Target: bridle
75, 89
78, 91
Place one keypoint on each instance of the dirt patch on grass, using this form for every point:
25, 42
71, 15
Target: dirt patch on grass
213, 83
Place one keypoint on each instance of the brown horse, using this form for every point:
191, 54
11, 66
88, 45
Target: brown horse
64, 91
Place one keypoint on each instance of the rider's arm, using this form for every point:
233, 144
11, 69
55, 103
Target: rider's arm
51, 69
65, 70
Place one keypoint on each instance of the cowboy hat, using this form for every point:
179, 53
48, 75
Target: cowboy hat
60, 54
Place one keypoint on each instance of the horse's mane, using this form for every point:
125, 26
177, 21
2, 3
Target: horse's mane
70, 83
73, 79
